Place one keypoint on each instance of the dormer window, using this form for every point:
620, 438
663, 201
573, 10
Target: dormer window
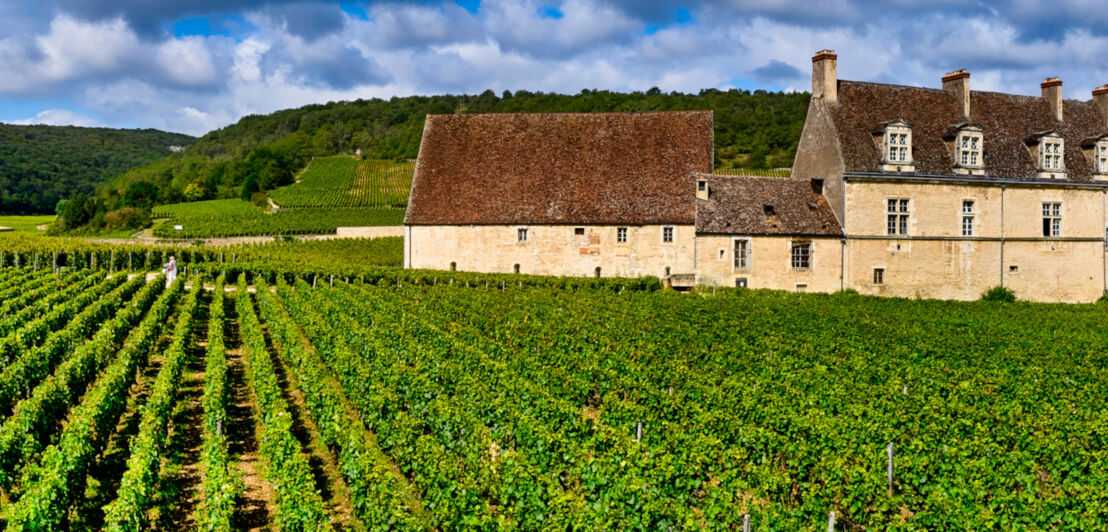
897, 147
1052, 162
1100, 158
969, 144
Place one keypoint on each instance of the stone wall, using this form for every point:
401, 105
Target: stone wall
769, 263
550, 250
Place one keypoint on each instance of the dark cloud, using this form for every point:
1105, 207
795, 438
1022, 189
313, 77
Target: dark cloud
776, 71
342, 68
309, 20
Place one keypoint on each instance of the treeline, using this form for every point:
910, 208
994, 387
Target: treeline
753, 129
40, 165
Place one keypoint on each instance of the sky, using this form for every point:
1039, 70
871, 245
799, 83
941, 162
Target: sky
197, 65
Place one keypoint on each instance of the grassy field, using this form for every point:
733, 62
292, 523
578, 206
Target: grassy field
27, 225
347, 182
222, 218
442, 406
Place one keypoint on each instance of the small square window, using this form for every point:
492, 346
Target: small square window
621, 235
740, 282
802, 287
722, 254
667, 235
879, 276
1013, 269
521, 234
702, 185
579, 231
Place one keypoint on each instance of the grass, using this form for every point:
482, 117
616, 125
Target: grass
27, 225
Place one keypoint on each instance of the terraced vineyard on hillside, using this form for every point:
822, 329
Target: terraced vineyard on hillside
331, 182
441, 405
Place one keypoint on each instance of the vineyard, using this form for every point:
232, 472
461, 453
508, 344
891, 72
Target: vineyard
331, 182
221, 218
429, 401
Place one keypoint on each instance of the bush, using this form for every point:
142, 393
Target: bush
999, 294
126, 218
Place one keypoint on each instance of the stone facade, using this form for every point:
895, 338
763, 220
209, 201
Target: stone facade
769, 263
564, 250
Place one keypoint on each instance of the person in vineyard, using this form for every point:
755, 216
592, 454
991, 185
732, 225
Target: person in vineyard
170, 270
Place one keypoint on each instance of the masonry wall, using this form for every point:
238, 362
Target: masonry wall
550, 250
769, 264
935, 261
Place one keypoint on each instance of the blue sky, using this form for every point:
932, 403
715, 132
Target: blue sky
200, 65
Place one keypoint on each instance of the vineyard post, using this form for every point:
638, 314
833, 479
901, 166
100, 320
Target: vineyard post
638, 433
314, 277
130, 260
746, 523
831, 521
55, 262
332, 280
1, 259
111, 264
17, 259
890, 472
92, 259
36, 261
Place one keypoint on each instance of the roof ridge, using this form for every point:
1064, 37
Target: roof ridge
580, 113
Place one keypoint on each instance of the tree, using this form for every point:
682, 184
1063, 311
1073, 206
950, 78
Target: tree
141, 194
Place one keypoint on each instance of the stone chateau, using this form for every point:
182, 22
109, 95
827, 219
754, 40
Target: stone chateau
895, 190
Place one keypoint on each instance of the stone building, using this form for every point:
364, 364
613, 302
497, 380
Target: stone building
944, 193
895, 190
598, 194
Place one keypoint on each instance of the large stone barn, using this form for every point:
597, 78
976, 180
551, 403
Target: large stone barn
602, 194
895, 190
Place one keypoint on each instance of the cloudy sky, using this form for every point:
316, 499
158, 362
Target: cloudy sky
196, 65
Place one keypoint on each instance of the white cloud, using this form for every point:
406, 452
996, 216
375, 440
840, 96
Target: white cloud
59, 117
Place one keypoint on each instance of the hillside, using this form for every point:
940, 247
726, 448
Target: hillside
260, 153
40, 165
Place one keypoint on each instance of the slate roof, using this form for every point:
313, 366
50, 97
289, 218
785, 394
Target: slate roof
560, 168
764, 206
1009, 122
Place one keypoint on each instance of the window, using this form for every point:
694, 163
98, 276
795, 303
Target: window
1052, 219
897, 216
1050, 154
521, 234
969, 145
1101, 156
621, 235
515, 268
579, 231
967, 217
897, 147
722, 254
701, 185
742, 254
802, 256
667, 235
597, 271
740, 282
801, 287
879, 276
453, 266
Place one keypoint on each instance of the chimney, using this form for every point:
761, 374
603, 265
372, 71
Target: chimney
825, 76
702, 190
957, 83
1100, 100
1052, 93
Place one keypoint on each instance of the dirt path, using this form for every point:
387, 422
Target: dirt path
325, 470
180, 479
104, 477
255, 508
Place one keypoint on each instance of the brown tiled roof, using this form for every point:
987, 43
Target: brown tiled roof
764, 206
592, 168
1008, 120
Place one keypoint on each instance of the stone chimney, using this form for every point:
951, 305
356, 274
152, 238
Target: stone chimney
1052, 93
957, 83
825, 76
1100, 100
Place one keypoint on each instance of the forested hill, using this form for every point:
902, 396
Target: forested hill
259, 153
40, 165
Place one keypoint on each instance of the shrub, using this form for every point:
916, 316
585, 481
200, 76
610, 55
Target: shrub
126, 218
1000, 294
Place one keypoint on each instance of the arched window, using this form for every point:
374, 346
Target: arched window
515, 268
598, 271
667, 271
453, 266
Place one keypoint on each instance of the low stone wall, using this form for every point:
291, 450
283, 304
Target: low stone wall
369, 232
